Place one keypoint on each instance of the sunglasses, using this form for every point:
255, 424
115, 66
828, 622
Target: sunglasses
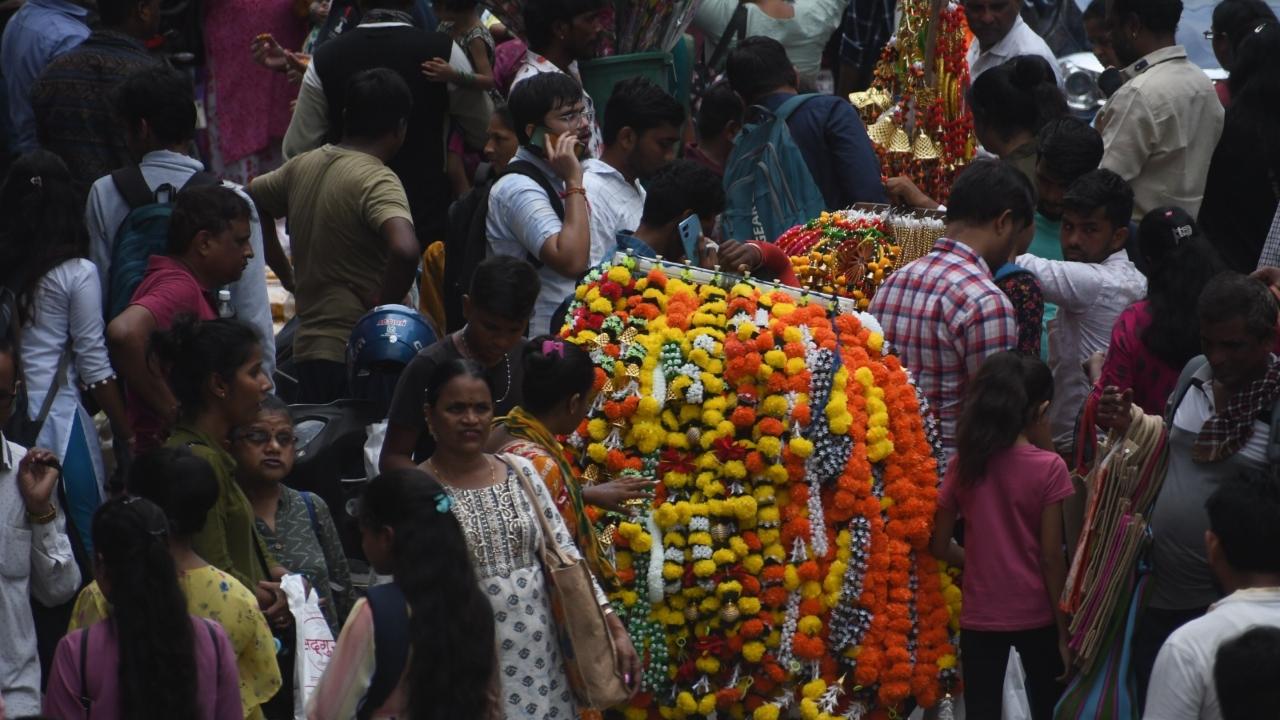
284, 438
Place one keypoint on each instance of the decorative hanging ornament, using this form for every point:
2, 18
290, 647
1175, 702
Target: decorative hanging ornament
923, 148
901, 142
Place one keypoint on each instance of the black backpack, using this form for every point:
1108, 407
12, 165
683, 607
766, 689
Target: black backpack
467, 243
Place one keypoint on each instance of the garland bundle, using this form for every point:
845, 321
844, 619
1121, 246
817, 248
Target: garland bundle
782, 564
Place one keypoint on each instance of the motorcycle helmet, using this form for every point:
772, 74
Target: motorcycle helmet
388, 335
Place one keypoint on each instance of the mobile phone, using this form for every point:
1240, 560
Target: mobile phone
544, 138
539, 137
690, 230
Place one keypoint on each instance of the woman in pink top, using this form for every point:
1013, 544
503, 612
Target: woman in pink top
1154, 338
150, 660
1008, 485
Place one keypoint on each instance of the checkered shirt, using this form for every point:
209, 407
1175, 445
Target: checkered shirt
943, 315
1271, 249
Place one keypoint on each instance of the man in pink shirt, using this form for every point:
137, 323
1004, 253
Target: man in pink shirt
208, 247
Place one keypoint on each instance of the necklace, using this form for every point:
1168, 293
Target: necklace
460, 338
444, 481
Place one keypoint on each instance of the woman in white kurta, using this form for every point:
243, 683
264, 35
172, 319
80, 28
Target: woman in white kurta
504, 534
59, 303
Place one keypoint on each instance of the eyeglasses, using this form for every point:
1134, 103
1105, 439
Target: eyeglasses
261, 437
585, 116
1209, 34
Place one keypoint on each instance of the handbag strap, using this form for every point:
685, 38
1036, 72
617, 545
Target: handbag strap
85, 701
549, 546
47, 406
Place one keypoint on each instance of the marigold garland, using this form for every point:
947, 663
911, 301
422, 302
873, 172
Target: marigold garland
782, 561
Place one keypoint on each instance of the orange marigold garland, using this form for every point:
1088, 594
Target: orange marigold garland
781, 561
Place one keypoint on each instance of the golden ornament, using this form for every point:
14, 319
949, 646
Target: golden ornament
881, 131
901, 142
691, 613
730, 613
923, 147
720, 532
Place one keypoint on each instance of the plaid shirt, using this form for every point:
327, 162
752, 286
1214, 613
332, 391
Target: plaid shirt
943, 315
1271, 249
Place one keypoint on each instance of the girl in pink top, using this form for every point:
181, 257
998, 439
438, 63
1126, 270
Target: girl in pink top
150, 660
1008, 485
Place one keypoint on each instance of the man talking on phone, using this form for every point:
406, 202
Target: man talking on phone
641, 133
538, 209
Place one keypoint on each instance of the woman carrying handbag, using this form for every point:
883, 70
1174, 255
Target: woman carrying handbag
518, 541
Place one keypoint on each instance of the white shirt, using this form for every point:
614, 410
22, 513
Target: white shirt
1089, 296
106, 211
1021, 40
1182, 685
35, 561
1159, 131
68, 313
520, 221
804, 34
615, 205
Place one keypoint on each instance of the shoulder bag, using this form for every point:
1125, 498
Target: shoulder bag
590, 658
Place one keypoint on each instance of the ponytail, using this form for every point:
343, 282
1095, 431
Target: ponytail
449, 618
999, 405
157, 678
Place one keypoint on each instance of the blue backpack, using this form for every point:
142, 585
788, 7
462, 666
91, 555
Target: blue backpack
767, 185
144, 232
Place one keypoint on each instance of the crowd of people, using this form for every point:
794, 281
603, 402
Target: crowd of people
400, 153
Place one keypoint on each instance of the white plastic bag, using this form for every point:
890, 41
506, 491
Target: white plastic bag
375, 434
315, 643
1016, 706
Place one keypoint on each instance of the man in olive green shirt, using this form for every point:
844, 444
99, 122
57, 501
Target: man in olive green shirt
351, 232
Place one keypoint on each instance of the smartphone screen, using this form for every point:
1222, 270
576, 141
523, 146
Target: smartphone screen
690, 229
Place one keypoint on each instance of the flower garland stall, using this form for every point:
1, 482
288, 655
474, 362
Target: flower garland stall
850, 252
781, 567
915, 111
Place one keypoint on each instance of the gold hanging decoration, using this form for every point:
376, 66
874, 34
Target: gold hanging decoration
923, 148
901, 142
881, 131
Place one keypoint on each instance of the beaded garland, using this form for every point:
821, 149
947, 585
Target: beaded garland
782, 563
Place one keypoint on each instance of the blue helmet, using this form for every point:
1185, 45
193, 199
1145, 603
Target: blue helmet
387, 334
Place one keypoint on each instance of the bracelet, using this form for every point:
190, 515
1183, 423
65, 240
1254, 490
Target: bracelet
574, 191
466, 78
44, 519
100, 383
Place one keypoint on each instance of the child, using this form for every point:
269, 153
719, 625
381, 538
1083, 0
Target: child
460, 19
1009, 488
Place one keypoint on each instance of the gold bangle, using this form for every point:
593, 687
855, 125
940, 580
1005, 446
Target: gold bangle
44, 519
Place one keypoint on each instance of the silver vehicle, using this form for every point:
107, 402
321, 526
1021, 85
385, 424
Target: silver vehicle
1080, 69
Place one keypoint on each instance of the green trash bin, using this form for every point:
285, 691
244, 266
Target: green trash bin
600, 75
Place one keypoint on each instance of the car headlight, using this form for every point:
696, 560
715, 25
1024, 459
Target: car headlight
1081, 88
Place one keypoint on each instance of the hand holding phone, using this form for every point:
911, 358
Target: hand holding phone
561, 153
690, 230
